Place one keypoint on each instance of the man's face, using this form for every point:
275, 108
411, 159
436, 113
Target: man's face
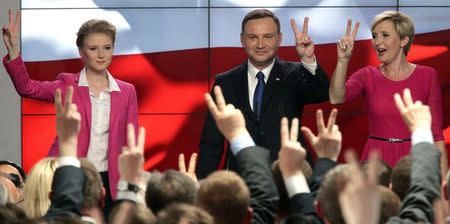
11, 178
261, 41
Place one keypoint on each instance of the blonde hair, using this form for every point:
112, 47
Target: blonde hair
38, 186
403, 23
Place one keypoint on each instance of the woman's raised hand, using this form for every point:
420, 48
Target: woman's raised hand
346, 43
11, 35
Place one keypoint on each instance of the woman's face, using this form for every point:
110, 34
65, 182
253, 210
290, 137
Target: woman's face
386, 42
97, 51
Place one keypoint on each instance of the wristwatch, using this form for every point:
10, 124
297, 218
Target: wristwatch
125, 186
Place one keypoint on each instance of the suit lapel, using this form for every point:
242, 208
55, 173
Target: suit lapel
276, 75
240, 82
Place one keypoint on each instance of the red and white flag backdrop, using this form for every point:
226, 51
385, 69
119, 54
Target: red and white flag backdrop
171, 50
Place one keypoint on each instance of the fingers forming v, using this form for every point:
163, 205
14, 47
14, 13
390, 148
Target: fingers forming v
305, 26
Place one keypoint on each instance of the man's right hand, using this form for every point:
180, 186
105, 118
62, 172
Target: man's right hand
230, 121
11, 35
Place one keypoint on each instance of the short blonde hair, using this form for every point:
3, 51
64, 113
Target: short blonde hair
95, 26
403, 23
38, 186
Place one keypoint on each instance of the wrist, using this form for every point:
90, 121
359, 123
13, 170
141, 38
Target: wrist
237, 133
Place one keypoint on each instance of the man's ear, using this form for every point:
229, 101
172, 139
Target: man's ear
444, 188
248, 217
102, 203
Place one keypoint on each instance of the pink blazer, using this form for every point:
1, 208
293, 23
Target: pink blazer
124, 110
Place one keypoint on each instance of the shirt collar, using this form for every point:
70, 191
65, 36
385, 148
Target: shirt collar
252, 70
113, 86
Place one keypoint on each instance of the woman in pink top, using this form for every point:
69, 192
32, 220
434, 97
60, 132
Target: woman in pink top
106, 104
392, 36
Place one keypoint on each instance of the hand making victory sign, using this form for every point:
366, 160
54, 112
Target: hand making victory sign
303, 43
10, 34
346, 43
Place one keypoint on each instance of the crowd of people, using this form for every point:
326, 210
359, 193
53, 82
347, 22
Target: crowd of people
94, 174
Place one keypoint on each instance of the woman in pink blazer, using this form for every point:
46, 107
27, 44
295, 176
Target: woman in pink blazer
106, 104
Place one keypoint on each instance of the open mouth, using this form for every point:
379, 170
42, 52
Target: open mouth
381, 51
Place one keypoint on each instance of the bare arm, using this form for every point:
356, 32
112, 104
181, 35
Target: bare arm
10, 34
345, 50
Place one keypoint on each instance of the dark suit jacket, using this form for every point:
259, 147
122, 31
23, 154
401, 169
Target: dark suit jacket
254, 168
425, 186
67, 193
288, 88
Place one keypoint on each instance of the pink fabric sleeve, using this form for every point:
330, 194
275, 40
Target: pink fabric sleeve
355, 85
26, 87
435, 104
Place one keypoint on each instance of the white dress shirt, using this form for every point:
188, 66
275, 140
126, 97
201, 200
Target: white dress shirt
253, 81
99, 135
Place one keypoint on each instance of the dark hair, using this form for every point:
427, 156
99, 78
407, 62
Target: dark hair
401, 177
169, 187
15, 165
383, 170
95, 26
176, 212
92, 190
259, 14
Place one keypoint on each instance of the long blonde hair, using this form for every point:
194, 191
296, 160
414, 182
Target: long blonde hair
38, 186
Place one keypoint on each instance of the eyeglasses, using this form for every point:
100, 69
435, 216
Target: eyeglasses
13, 178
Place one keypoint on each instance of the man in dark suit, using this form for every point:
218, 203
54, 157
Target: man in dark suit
264, 88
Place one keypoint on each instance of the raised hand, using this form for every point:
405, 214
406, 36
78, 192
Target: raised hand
67, 123
360, 200
131, 160
303, 43
11, 35
190, 172
291, 155
414, 114
230, 121
346, 43
327, 143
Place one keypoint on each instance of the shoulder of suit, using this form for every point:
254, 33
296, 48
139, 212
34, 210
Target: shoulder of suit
236, 71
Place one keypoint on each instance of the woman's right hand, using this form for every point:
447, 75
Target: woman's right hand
11, 35
346, 43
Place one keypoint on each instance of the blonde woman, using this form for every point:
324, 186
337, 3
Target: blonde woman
38, 186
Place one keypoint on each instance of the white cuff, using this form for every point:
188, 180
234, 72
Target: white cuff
311, 67
296, 184
241, 142
127, 195
422, 135
68, 161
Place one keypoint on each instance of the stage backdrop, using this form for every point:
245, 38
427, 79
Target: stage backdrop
172, 49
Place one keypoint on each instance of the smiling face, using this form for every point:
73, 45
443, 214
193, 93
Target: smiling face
387, 43
261, 40
97, 51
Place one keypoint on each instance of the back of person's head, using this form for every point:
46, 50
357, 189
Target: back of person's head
36, 199
13, 177
390, 204
297, 219
12, 214
93, 191
141, 215
184, 214
401, 177
143, 181
281, 187
328, 196
384, 172
169, 187
225, 196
